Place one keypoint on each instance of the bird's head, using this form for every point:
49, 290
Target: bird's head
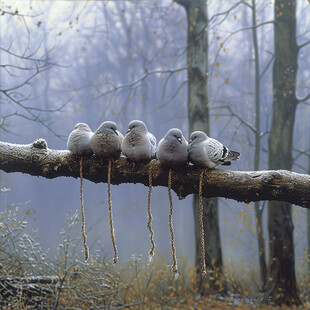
197, 136
137, 124
175, 133
82, 126
109, 126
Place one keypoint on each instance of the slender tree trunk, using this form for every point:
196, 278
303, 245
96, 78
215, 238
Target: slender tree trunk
258, 211
282, 286
198, 116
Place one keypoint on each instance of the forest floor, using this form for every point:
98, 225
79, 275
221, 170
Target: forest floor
31, 280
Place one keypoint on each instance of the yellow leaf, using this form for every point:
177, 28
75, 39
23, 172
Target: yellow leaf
246, 293
241, 230
191, 28
218, 37
217, 64
221, 45
282, 5
141, 97
216, 75
235, 17
236, 220
194, 23
172, 20
164, 66
196, 11
3, 216
257, 19
224, 222
227, 81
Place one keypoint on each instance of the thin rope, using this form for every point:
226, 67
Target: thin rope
202, 240
86, 250
174, 266
149, 213
115, 259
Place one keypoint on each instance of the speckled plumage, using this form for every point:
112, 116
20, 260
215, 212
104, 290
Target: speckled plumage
207, 152
138, 143
79, 140
106, 141
172, 149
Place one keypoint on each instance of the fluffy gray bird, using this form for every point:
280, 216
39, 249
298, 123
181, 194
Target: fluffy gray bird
79, 140
172, 149
138, 143
207, 152
106, 141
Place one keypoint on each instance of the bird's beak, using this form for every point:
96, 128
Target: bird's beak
180, 140
128, 130
190, 141
116, 132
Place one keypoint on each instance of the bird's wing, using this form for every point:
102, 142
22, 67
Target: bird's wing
214, 150
152, 140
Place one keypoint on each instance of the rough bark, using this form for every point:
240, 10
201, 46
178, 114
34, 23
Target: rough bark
282, 285
198, 118
245, 186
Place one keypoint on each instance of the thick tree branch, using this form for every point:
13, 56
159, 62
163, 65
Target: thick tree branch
246, 186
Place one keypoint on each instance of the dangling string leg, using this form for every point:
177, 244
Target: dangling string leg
174, 266
86, 250
115, 259
149, 222
202, 240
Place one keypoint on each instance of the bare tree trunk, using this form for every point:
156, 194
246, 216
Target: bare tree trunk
198, 116
258, 210
282, 286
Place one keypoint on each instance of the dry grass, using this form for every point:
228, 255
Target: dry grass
67, 282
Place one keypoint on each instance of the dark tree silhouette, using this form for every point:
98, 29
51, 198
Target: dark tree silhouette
198, 117
282, 284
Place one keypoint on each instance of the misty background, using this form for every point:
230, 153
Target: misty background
126, 60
